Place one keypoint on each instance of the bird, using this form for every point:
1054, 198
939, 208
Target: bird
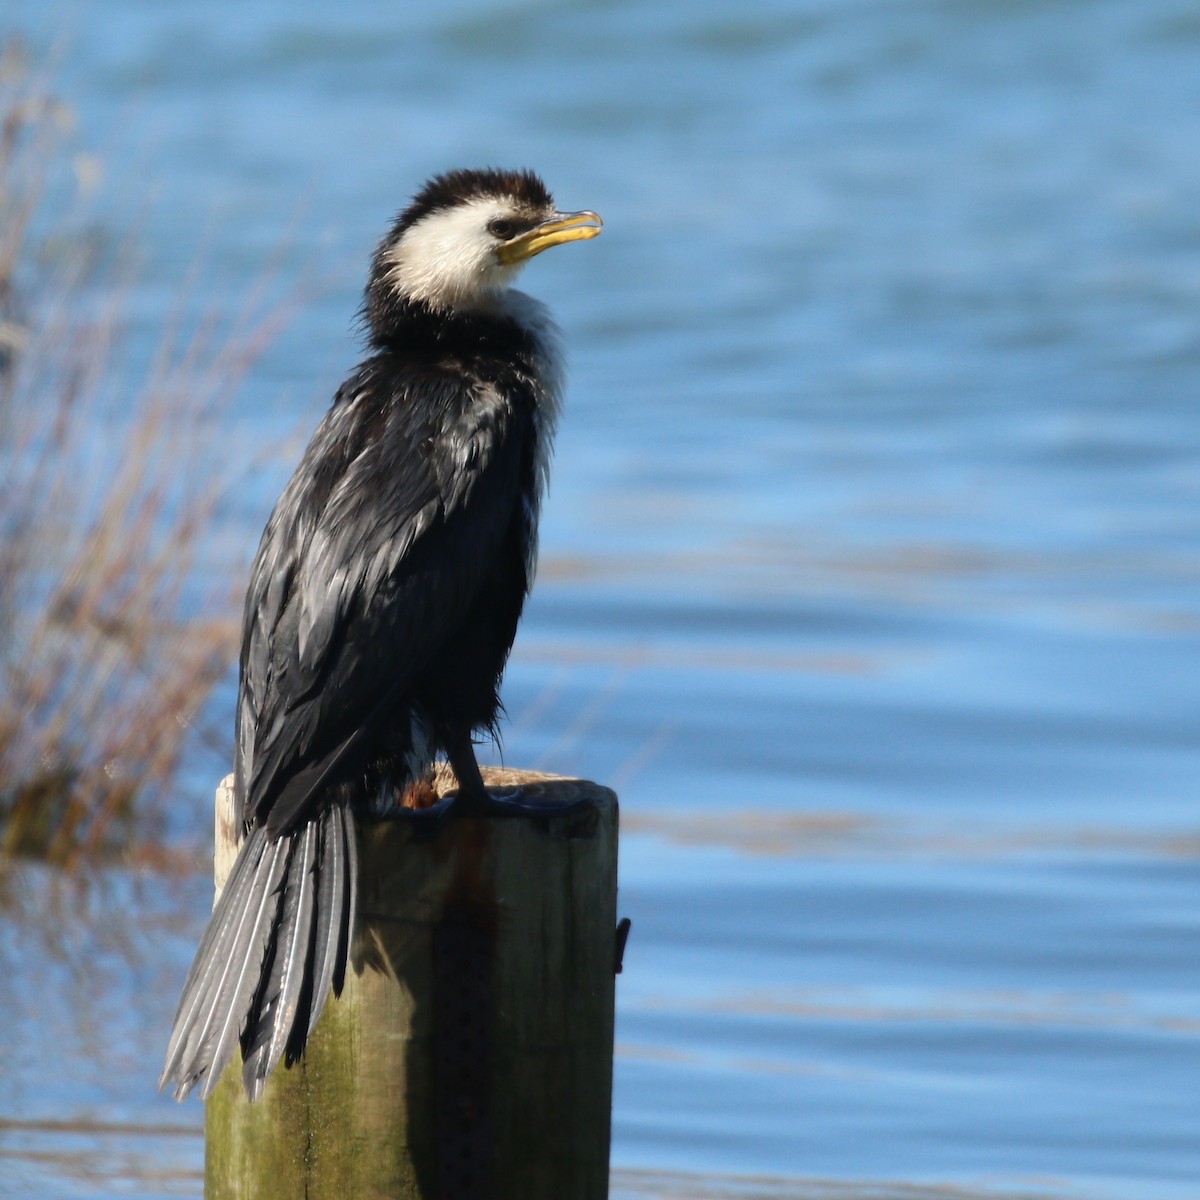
382, 605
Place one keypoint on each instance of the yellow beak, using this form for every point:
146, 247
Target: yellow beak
562, 227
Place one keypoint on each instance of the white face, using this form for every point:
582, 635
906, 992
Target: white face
448, 258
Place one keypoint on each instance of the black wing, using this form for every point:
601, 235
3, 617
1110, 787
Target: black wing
372, 557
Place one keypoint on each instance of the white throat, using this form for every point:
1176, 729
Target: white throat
448, 260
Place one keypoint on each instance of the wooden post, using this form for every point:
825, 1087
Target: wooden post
469, 1056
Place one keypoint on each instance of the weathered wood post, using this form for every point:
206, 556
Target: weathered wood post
469, 1056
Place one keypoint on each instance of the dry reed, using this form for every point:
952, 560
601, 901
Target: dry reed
111, 637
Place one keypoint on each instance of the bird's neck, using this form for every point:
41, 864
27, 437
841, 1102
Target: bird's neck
409, 325
514, 332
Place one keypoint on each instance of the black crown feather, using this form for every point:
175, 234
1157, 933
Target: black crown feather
460, 186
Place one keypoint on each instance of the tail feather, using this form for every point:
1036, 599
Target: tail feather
350, 840
212, 954
239, 981
327, 939
278, 940
275, 1003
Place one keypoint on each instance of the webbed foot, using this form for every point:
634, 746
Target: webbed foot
472, 798
512, 802
427, 823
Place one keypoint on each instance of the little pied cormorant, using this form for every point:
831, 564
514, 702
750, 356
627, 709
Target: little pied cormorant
382, 605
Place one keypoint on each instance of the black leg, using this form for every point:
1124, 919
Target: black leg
472, 798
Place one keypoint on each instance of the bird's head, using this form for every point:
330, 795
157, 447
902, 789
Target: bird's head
462, 240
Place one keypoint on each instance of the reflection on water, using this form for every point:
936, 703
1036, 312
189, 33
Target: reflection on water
869, 569
89, 1157
667, 1185
850, 835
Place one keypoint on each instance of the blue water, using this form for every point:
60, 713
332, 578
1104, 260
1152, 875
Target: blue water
869, 570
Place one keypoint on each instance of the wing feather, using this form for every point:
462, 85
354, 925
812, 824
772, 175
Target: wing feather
383, 537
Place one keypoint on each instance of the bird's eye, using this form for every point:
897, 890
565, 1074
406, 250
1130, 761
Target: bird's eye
501, 227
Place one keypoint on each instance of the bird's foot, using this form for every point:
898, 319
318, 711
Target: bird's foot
512, 802
428, 822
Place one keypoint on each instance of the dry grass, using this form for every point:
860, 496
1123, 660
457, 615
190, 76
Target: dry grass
111, 639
